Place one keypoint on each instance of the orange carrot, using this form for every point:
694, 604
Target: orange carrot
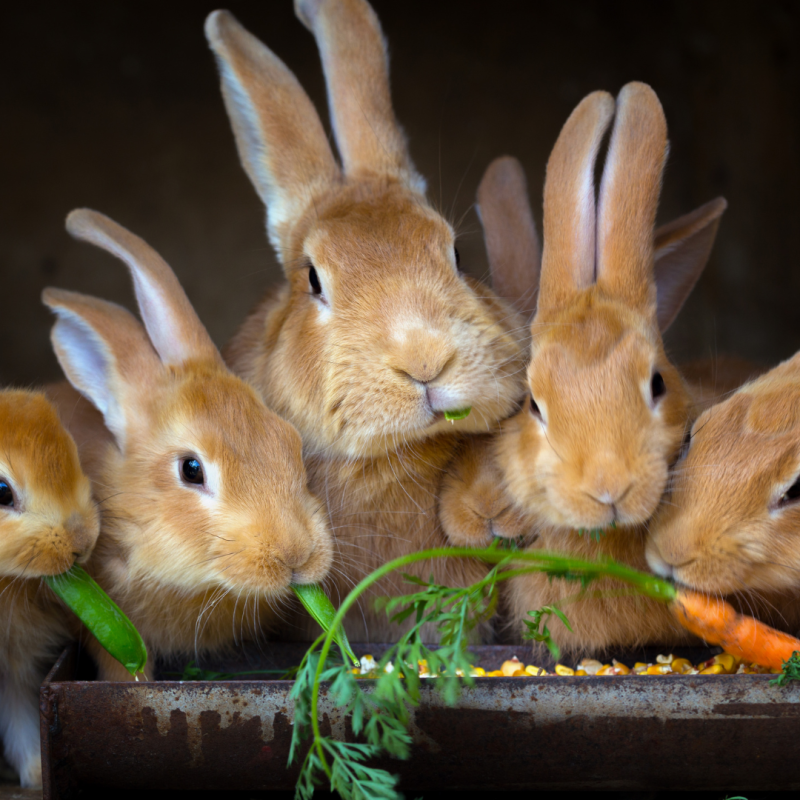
717, 622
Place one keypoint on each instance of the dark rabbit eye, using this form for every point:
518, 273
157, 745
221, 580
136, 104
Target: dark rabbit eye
534, 409
791, 494
192, 471
313, 279
657, 386
458, 259
6, 495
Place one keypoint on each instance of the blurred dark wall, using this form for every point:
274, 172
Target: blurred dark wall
117, 107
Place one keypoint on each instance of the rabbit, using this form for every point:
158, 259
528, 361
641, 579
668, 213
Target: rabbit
730, 524
606, 411
48, 521
376, 332
206, 517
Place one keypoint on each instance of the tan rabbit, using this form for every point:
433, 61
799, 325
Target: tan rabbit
48, 520
376, 332
206, 516
731, 525
607, 411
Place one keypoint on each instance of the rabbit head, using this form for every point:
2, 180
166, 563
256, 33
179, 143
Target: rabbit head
47, 516
377, 333
733, 516
209, 480
607, 411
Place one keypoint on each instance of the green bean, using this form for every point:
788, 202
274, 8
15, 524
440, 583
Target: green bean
457, 414
318, 604
101, 616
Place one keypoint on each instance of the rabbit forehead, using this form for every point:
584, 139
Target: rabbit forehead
38, 454
369, 235
221, 416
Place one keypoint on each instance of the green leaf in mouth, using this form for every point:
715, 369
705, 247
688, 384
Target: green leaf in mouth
458, 414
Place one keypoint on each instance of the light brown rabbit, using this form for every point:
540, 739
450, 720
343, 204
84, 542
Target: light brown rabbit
48, 520
206, 515
607, 411
731, 523
376, 332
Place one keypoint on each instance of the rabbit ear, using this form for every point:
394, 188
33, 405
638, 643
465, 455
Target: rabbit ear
174, 328
356, 65
509, 231
280, 138
568, 260
628, 197
104, 352
682, 248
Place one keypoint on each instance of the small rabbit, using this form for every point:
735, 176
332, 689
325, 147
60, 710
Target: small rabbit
730, 526
607, 411
206, 515
376, 333
48, 520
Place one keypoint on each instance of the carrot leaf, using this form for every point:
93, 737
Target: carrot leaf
791, 671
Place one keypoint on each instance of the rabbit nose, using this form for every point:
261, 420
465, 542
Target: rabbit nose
423, 356
611, 499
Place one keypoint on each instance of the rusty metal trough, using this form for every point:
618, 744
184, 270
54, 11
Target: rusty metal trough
734, 732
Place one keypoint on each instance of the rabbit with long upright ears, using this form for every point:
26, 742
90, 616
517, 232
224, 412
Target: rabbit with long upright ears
206, 515
606, 413
376, 333
48, 521
732, 523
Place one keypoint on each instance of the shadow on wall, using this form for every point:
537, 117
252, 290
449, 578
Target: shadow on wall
117, 107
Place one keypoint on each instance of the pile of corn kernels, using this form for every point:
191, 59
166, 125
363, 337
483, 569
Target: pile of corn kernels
723, 664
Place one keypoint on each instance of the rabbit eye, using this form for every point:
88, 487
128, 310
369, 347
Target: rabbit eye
192, 471
458, 259
534, 409
313, 280
6, 494
791, 494
657, 386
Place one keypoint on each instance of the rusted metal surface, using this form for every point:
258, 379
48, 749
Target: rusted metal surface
676, 732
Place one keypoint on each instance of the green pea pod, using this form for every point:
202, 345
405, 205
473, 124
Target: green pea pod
458, 414
318, 604
101, 616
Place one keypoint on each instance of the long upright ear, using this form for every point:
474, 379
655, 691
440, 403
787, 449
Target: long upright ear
568, 260
356, 66
281, 141
104, 352
509, 231
682, 248
628, 198
174, 328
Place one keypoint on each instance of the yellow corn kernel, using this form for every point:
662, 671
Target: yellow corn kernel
562, 670
511, 666
606, 669
620, 667
727, 661
714, 669
681, 665
478, 672
665, 659
590, 665
581, 672
532, 670
640, 665
495, 673
520, 673
658, 669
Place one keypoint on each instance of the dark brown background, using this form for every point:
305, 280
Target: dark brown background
116, 106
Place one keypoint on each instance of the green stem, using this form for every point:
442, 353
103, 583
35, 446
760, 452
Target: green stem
538, 562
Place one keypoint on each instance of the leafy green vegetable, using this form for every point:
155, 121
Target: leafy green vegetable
101, 616
191, 672
791, 671
318, 604
461, 413
539, 632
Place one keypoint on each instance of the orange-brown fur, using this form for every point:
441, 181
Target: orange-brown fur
397, 336
52, 523
594, 451
725, 529
196, 568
